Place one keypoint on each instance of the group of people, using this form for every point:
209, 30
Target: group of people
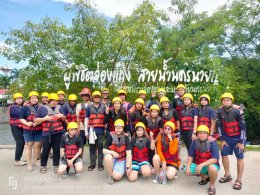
144, 137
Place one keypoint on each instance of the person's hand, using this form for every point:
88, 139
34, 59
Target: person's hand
59, 115
115, 154
34, 125
210, 138
193, 137
48, 118
164, 166
187, 172
29, 124
198, 169
128, 170
153, 95
169, 136
107, 109
241, 147
70, 163
151, 134
223, 143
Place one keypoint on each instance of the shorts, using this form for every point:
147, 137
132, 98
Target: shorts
63, 161
204, 170
228, 150
136, 166
32, 136
119, 166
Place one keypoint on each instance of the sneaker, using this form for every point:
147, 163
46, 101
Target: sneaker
110, 180
156, 179
20, 163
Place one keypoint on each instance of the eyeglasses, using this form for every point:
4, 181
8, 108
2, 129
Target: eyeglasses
167, 128
84, 95
105, 93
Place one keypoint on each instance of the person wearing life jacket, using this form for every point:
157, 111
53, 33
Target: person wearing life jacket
189, 120
142, 94
178, 100
70, 150
69, 109
105, 97
95, 122
154, 125
137, 114
51, 119
126, 106
81, 107
140, 145
32, 132
116, 112
167, 154
61, 95
17, 128
117, 153
232, 130
160, 93
203, 159
44, 97
206, 115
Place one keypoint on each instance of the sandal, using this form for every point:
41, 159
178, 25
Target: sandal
204, 182
225, 179
237, 185
211, 191
100, 167
43, 170
91, 167
55, 169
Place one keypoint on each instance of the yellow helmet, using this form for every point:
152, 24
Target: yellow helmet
205, 96
60, 92
203, 128
17, 95
139, 100
72, 125
45, 94
161, 90
119, 122
33, 93
170, 124
96, 93
188, 95
140, 124
180, 86
142, 92
105, 89
164, 99
116, 99
121, 91
72, 97
53, 96
154, 107
228, 95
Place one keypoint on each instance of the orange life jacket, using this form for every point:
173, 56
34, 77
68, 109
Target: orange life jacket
71, 147
31, 118
14, 121
187, 122
97, 117
56, 124
140, 151
230, 124
203, 152
203, 117
119, 146
153, 126
71, 116
170, 158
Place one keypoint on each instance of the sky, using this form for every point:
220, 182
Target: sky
14, 13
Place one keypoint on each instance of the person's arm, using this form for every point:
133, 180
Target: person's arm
242, 126
213, 121
195, 114
219, 124
86, 122
191, 156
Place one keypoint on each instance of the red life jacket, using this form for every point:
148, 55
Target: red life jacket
114, 117
71, 116
71, 147
31, 118
230, 124
168, 117
119, 147
52, 126
179, 106
203, 152
203, 117
187, 122
97, 118
82, 112
170, 158
140, 151
14, 121
154, 127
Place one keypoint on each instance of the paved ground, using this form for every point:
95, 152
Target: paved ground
17, 180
